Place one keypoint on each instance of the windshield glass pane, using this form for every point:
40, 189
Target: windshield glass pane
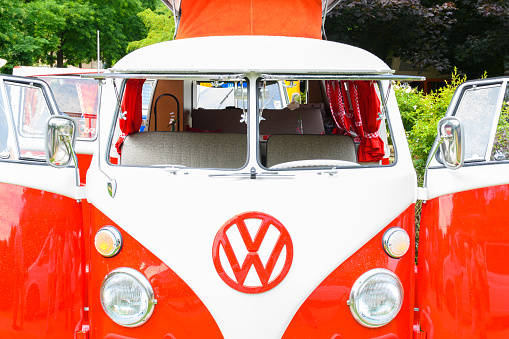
211, 133
325, 124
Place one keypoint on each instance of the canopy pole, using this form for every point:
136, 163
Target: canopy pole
325, 4
98, 52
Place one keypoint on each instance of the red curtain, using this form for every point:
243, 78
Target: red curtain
130, 118
355, 108
372, 146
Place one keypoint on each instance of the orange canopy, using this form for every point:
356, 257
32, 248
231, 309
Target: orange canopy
298, 18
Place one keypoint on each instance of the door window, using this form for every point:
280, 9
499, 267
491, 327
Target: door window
30, 111
500, 149
5, 134
483, 109
477, 110
79, 99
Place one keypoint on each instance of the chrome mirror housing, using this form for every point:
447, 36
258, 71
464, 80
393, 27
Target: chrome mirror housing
60, 140
452, 144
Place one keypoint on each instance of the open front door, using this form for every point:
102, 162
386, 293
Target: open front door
463, 279
41, 270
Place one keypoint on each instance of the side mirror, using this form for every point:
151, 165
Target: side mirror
452, 144
60, 140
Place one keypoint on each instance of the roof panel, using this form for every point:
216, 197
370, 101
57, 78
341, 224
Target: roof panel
261, 54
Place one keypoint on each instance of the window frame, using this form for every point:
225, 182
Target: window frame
13, 123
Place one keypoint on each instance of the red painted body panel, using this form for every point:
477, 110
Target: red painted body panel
179, 313
463, 276
325, 313
41, 264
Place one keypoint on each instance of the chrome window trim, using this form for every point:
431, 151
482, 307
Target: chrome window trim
361, 75
168, 76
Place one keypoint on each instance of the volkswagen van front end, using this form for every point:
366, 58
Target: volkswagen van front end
250, 222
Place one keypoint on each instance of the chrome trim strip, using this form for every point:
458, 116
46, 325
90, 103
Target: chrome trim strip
375, 76
171, 76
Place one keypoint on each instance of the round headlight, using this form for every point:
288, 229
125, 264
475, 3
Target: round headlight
127, 297
108, 241
396, 242
376, 298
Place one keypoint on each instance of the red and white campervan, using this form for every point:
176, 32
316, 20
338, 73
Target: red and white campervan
211, 203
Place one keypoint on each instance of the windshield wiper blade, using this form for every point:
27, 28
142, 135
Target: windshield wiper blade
251, 175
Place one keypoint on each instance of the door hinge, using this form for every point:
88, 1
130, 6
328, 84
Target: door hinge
80, 193
422, 193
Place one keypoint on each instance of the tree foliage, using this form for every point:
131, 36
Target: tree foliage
17, 45
119, 24
159, 24
479, 40
64, 32
470, 34
421, 113
65, 27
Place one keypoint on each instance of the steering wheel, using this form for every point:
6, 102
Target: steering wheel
313, 163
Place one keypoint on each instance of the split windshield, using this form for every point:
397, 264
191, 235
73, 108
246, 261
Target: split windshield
207, 124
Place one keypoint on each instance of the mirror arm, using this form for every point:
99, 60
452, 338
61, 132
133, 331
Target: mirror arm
68, 144
76, 167
428, 162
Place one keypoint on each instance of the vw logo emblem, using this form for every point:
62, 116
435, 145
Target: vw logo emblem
252, 252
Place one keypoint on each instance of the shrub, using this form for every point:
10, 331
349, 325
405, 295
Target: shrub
420, 113
501, 143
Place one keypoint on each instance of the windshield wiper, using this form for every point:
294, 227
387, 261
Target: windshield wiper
251, 175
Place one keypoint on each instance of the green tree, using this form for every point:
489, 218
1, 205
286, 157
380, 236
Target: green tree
64, 31
119, 24
17, 46
159, 24
67, 29
421, 113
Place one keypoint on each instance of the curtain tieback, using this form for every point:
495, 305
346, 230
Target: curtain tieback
373, 135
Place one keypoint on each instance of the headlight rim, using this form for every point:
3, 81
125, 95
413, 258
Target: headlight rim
357, 287
386, 242
152, 301
117, 239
